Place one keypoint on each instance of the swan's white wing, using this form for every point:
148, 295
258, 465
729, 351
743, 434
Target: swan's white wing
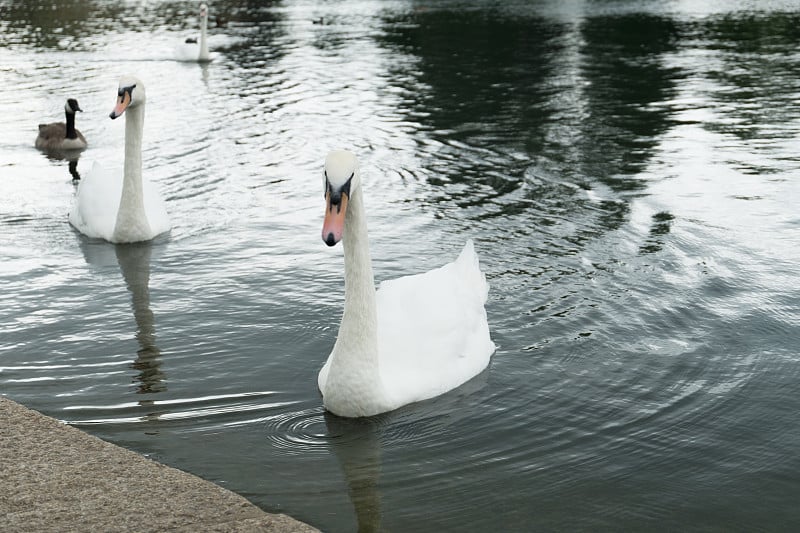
432, 329
155, 207
188, 52
94, 209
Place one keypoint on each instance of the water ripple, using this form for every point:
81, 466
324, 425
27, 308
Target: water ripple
300, 433
204, 409
626, 172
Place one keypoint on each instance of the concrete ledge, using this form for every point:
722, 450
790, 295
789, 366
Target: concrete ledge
54, 477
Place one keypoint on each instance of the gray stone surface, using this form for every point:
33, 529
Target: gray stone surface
54, 477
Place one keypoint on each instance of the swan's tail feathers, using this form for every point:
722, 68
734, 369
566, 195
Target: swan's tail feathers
469, 265
468, 252
477, 347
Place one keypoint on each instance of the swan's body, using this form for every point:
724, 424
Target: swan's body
417, 336
122, 206
62, 135
192, 50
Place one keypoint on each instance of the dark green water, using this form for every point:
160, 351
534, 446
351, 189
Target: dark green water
628, 171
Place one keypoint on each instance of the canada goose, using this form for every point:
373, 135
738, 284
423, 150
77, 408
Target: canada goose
61, 136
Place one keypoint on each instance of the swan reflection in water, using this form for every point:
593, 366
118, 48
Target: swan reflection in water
357, 446
134, 263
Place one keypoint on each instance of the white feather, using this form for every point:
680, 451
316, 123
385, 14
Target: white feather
121, 205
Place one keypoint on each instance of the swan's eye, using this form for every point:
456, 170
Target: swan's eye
129, 90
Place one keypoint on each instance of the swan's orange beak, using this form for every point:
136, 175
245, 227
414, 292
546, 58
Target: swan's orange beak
123, 101
333, 226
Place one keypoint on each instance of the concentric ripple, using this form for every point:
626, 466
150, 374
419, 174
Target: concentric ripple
299, 432
627, 171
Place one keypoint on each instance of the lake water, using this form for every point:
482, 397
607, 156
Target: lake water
627, 170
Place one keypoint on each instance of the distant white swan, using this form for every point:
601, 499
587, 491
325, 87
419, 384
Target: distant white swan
192, 50
417, 336
121, 205
60, 135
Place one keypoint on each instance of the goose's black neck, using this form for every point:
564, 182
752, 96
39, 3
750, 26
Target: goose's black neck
71, 134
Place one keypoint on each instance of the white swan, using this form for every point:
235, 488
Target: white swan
60, 135
417, 336
121, 206
191, 50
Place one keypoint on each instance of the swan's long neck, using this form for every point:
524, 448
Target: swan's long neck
203, 43
360, 307
71, 134
132, 221
354, 374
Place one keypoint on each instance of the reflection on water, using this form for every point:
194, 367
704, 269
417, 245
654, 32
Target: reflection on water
70, 156
357, 446
625, 75
134, 264
134, 261
72, 165
627, 171
46, 25
660, 227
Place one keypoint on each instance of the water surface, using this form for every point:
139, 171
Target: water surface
628, 172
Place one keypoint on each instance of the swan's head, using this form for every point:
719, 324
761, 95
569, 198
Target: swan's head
71, 106
203, 11
340, 178
129, 95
